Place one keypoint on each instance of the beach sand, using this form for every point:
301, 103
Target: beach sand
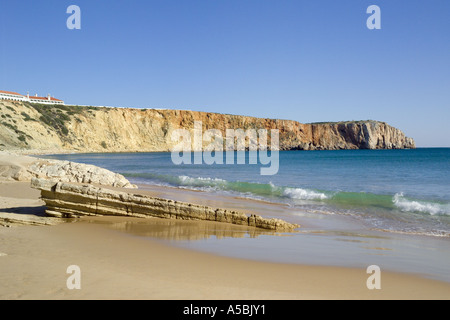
120, 265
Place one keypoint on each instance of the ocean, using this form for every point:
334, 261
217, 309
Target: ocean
356, 208
403, 191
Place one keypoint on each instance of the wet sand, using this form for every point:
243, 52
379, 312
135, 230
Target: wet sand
322, 239
120, 258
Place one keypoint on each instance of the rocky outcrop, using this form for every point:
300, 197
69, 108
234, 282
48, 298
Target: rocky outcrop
68, 171
73, 200
355, 135
23, 168
26, 127
8, 219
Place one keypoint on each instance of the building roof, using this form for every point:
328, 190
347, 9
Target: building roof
44, 98
38, 98
31, 97
10, 92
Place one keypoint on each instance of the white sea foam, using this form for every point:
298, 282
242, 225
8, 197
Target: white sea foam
405, 204
304, 194
200, 180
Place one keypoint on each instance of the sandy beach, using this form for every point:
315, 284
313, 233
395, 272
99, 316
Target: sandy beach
121, 265
224, 150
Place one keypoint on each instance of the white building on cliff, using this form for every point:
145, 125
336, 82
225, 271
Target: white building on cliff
14, 96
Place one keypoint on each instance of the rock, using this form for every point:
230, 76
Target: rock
7, 219
357, 135
66, 171
67, 200
23, 168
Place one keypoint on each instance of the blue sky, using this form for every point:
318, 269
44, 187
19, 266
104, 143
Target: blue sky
306, 60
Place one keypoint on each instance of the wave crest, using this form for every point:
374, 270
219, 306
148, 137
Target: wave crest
303, 194
404, 204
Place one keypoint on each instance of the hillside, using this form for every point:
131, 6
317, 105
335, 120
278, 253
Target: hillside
34, 128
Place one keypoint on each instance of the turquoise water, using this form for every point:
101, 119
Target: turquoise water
405, 191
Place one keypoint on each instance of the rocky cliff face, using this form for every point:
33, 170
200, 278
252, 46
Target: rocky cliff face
358, 135
40, 128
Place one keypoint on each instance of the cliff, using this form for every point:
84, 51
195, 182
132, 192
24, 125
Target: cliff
27, 127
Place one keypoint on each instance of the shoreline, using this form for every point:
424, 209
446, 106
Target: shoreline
125, 265
398, 204
135, 258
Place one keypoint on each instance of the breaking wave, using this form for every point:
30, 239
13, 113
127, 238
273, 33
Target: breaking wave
297, 195
264, 190
427, 207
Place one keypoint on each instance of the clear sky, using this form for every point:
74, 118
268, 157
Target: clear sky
304, 60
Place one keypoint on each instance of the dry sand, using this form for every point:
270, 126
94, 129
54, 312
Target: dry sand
117, 265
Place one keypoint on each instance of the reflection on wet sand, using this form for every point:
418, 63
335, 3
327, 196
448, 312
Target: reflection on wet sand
168, 229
